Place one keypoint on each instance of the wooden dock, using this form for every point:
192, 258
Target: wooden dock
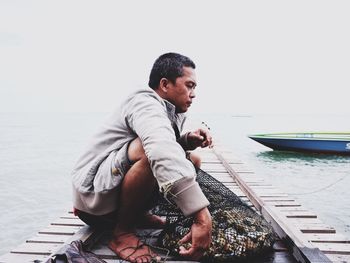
303, 237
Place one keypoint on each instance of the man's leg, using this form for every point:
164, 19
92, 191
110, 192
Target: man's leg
136, 191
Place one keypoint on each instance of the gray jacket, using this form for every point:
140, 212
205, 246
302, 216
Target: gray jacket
146, 115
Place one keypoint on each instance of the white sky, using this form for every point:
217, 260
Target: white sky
251, 56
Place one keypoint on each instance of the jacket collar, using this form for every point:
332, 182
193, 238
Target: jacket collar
170, 110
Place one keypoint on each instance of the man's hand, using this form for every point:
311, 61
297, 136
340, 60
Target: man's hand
199, 236
200, 137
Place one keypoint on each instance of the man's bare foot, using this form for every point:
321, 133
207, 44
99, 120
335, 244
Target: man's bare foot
129, 247
151, 221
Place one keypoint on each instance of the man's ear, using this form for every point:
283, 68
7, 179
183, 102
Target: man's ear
164, 85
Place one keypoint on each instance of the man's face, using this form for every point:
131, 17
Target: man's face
182, 93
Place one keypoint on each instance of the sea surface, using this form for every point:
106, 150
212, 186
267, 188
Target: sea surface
38, 151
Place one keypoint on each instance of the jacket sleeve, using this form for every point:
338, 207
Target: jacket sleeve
175, 175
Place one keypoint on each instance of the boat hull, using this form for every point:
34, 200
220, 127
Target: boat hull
305, 144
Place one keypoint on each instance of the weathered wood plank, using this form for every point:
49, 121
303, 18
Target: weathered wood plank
303, 221
36, 248
218, 169
22, 258
216, 161
299, 214
327, 238
283, 204
298, 208
60, 230
316, 229
335, 248
267, 199
267, 192
68, 222
258, 184
262, 187
70, 216
212, 165
336, 258
43, 238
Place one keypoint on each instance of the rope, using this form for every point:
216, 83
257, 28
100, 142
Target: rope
321, 189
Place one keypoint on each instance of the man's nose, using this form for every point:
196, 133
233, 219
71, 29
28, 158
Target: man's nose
192, 94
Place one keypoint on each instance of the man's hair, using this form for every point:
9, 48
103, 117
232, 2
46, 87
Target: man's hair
169, 66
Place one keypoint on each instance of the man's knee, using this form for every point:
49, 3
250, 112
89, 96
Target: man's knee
136, 151
196, 160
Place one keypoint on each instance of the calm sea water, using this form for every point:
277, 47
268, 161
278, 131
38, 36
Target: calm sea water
38, 151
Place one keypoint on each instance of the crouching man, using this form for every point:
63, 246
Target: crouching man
140, 150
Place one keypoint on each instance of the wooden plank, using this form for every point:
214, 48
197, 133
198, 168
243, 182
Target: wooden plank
336, 258
259, 187
299, 214
36, 248
216, 161
266, 192
60, 230
316, 229
225, 180
212, 165
285, 209
303, 221
69, 216
327, 238
221, 175
43, 238
273, 195
335, 248
267, 199
68, 222
22, 258
217, 171
283, 204
223, 170
259, 184
245, 172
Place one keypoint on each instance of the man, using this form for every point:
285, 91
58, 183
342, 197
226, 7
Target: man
140, 150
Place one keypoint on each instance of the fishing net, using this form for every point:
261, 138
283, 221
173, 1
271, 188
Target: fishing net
238, 231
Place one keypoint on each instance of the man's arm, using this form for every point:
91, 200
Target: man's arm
175, 174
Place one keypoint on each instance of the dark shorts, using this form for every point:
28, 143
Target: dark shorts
107, 221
